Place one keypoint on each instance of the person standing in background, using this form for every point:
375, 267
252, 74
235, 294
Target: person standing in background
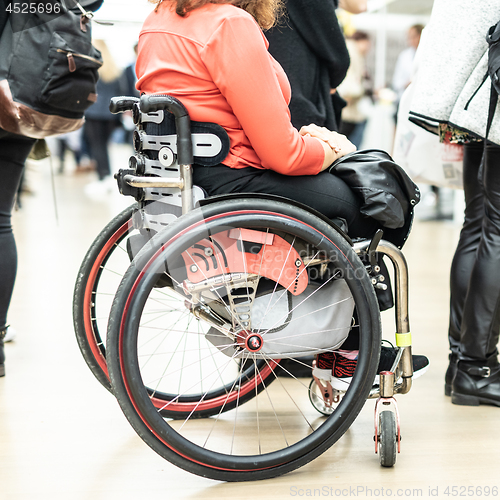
130, 76
100, 122
131, 79
403, 75
355, 87
14, 150
403, 70
310, 47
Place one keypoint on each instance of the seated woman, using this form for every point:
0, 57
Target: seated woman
212, 55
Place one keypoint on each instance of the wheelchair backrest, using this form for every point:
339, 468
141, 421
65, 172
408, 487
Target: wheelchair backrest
157, 143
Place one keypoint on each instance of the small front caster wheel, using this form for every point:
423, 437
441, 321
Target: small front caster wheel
324, 398
388, 439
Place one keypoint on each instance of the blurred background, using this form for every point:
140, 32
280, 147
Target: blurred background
63, 436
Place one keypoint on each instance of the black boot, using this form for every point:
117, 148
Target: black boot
476, 383
2, 353
450, 373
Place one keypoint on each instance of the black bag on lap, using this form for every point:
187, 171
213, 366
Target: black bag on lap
388, 194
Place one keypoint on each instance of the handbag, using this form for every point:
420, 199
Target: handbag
387, 192
421, 155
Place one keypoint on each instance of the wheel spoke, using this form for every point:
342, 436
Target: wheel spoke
300, 303
277, 282
202, 396
274, 410
238, 378
201, 400
112, 271
174, 372
289, 395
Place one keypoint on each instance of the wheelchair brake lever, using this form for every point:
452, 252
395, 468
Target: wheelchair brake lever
372, 247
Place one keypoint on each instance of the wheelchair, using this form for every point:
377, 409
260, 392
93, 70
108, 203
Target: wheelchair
208, 296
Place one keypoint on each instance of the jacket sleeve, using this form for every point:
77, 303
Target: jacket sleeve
237, 58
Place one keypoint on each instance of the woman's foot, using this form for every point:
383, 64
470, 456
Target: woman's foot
338, 367
476, 383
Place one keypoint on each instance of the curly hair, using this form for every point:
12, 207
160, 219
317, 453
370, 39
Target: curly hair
265, 12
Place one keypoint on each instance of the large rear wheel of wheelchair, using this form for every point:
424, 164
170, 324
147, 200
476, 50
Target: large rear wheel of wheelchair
234, 287
98, 279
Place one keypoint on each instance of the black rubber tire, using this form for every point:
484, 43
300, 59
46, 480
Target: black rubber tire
388, 439
90, 338
124, 323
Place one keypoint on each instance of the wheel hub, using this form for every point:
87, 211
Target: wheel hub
250, 341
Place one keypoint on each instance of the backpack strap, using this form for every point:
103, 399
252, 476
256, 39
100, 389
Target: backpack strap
491, 113
476, 91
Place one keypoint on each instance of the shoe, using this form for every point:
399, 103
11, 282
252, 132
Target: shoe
388, 356
476, 383
98, 189
342, 369
323, 367
2, 353
450, 373
336, 368
10, 335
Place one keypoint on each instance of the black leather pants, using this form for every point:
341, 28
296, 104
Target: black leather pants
475, 271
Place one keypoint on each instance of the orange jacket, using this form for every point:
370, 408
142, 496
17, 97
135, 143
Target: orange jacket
215, 61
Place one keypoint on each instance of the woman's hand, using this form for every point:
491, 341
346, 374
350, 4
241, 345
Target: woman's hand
335, 145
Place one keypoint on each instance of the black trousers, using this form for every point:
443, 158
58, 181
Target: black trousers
14, 149
324, 192
98, 133
475, 272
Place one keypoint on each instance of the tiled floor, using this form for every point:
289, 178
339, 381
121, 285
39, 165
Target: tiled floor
62, 436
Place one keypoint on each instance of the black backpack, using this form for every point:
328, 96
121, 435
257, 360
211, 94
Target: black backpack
48, 69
